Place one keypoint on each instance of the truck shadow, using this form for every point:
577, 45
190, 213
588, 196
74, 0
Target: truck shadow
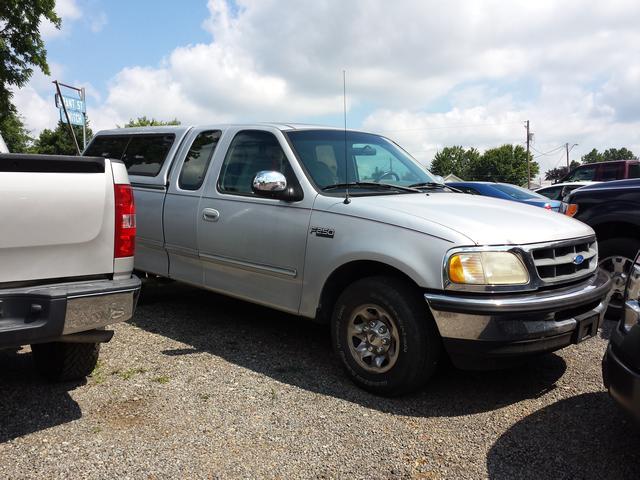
298, 352
585, 436
28, 403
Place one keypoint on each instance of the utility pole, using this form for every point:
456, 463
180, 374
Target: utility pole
528, 162
566, 146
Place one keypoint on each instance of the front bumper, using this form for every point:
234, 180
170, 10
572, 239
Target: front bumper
480, 331
622, 382
54, 312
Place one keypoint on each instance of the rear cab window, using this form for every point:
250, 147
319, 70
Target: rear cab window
146, 154
142, 154
108, 146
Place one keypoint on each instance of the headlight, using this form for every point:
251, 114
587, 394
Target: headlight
487, 268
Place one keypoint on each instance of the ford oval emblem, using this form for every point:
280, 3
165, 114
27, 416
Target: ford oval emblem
578, 259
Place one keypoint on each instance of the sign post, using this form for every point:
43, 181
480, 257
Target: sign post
73, 111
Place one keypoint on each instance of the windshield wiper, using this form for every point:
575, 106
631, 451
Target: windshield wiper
386, 186
432, 185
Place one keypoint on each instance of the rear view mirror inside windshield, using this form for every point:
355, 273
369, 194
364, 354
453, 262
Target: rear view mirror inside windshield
363, 150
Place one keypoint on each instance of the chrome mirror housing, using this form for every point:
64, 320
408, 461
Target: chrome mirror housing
269, 182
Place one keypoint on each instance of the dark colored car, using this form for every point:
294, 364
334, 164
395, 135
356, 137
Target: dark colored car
612, 209
621, 362
506, 191
604, 171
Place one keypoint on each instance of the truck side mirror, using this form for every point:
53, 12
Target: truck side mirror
273, 184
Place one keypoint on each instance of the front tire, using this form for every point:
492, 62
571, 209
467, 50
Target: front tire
616, 257
58, 361
384, 336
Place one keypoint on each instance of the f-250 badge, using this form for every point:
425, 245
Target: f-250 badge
325, 232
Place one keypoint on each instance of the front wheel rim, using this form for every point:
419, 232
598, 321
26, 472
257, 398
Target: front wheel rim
373, 339
618, 267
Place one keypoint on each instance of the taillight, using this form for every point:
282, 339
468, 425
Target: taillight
547, 206
572, 209
125, 231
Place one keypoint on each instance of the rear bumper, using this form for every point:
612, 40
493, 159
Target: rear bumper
52, 312
483, 331
622, 382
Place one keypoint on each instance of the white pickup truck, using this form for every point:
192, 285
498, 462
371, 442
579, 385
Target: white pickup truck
66, 258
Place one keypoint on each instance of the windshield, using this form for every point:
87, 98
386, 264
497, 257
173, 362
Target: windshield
370, 158
518, 193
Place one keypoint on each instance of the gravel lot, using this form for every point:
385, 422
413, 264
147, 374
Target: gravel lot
197, 385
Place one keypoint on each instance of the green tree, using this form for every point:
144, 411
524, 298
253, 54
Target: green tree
593, 156
556, 174
618, 154
454, 160
608, 155
21, 46
15, 134
149, 122
506, 163
58, 141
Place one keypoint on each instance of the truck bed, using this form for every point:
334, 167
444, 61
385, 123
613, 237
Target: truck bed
57, 215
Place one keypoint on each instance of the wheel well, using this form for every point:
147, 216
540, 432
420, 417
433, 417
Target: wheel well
347, 274
606, 231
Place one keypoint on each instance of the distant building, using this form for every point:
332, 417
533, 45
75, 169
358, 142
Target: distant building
452, 178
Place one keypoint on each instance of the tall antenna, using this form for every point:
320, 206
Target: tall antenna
347, 200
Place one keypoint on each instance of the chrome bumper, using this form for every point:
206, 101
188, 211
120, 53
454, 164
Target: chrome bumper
86, 311
510, 325
52, 312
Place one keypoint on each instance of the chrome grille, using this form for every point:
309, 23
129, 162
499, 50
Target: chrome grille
560, 262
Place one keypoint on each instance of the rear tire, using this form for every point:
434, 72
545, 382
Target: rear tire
612, 252
65, 361
409, 337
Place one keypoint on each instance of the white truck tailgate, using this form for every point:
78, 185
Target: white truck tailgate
55, 224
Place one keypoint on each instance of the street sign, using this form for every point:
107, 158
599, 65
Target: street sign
72, 104
76, 118
72, 112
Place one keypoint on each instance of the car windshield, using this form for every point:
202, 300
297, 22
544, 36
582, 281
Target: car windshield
370, 158
587, 172
518, 193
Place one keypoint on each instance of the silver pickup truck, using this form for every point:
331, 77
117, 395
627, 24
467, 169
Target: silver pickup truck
346, 228
66, 258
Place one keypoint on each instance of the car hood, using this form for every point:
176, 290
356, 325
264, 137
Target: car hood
482, 220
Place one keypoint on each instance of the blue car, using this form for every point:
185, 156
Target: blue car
507, 191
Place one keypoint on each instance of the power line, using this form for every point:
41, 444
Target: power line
540, 154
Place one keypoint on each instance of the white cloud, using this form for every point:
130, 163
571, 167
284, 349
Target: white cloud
97, 21
35, 102
415, 68
68, 11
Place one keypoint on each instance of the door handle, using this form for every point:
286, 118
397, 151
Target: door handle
210, 215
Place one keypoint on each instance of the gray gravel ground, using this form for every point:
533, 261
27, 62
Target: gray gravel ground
200, 386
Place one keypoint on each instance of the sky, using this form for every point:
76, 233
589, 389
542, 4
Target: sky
426, 73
